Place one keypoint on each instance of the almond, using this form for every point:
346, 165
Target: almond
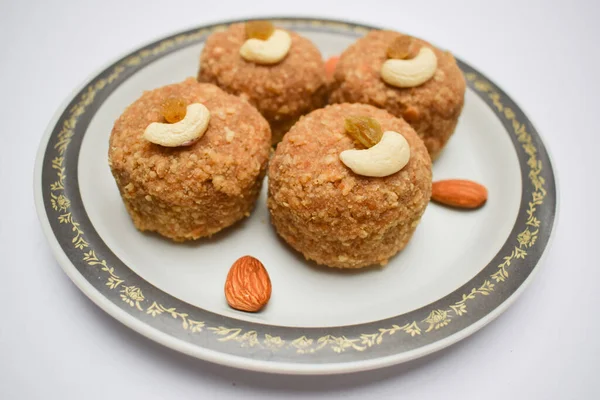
459, 193
248, 286
330, 66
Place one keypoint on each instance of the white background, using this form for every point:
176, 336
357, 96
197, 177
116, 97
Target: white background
54, 343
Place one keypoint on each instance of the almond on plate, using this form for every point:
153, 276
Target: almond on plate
459, 193
248, 286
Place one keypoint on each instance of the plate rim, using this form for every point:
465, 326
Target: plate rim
241, 361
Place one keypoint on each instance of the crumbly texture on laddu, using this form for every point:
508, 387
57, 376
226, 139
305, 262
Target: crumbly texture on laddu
281, 92
332, 215
195, 191
432, 108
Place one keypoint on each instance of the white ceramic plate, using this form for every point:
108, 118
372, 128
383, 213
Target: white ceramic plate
461, 269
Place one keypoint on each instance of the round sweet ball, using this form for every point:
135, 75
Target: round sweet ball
333, 216
191, 191
281, 92
432, 108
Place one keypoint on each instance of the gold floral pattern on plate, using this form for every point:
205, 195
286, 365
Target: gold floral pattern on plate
438, 318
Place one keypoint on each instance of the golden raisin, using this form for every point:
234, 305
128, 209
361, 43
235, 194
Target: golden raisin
365, 130
259, 29
403, 47
174, 109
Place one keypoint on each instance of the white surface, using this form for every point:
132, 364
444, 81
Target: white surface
480, 150
56, 343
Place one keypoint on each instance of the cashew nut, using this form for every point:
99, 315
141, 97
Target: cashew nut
412, 72
182, 133
387, 157
269, 51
